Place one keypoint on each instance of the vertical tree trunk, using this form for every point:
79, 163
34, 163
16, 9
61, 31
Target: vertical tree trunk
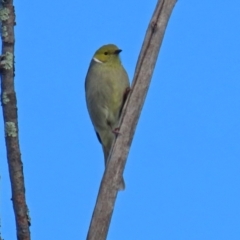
9, 107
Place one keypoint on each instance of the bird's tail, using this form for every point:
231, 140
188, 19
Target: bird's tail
106, 151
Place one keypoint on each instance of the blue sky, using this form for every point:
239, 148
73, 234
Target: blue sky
182, 174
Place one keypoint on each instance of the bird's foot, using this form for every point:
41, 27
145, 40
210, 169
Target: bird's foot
116, 131
125, 95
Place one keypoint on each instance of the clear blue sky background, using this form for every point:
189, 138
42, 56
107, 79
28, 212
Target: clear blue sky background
183, 170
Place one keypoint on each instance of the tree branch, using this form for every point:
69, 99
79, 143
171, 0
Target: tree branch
9, 107
112, 176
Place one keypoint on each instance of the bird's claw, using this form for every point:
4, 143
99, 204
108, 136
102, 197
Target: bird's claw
116, 131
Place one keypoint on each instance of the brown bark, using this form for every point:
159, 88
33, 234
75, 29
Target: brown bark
112, 176
9, 107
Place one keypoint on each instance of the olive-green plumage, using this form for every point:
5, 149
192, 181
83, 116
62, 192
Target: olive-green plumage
106, 84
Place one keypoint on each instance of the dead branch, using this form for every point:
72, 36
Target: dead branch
10, 117
112, 176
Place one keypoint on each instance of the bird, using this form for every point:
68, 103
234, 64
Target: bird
106, 87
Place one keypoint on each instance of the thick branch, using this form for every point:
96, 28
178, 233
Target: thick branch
146, 62
9, 107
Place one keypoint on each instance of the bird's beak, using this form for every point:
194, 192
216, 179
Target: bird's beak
118, 51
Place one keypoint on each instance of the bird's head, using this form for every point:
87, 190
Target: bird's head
107, 54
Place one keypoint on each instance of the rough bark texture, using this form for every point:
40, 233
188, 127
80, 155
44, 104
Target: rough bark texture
112, 176
9, 107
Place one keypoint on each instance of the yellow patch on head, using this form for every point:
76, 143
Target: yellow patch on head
109, 52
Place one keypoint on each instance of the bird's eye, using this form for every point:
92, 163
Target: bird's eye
105, 53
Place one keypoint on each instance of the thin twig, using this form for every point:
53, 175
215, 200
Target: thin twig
9, 107
112, 176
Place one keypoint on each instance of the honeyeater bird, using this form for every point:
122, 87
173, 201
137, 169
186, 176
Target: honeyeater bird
106, 86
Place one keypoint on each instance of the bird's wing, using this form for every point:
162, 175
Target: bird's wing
98, 137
